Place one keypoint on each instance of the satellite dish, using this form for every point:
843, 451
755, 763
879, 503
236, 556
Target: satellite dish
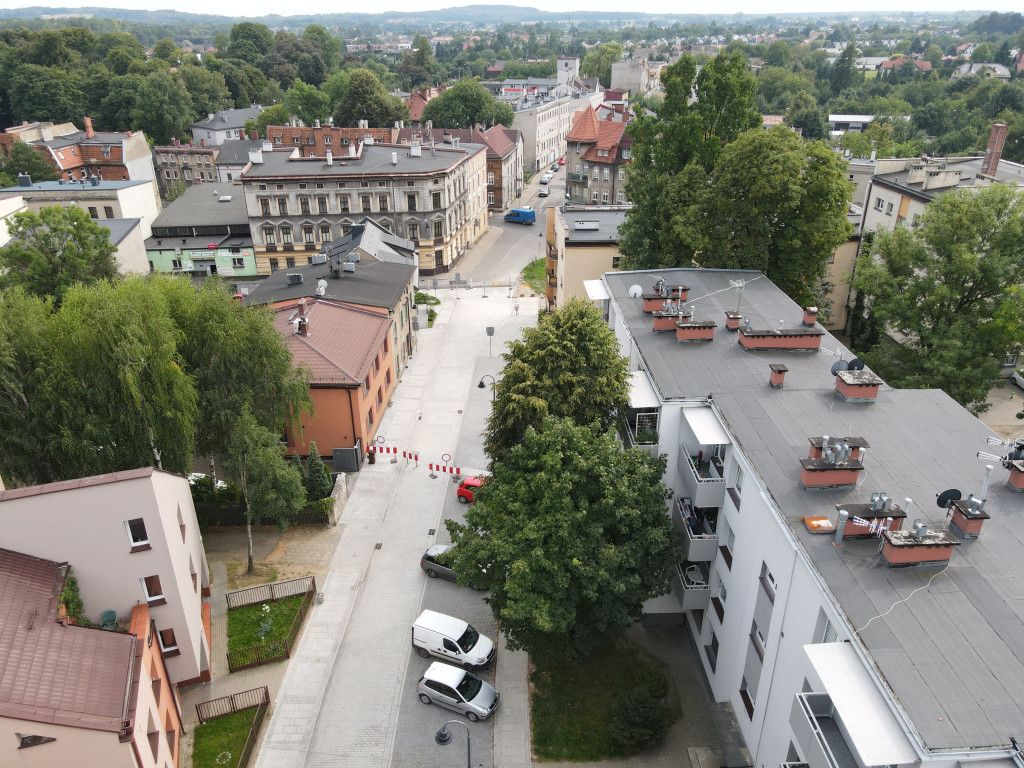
945, 498
856, 364
839, 365
635, 291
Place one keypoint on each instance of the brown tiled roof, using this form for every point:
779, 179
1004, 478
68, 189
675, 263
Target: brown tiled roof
611, 135
585, 127
340, 344
81, 482
51, 673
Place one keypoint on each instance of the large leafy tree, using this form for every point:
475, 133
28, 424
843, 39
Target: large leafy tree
307, 103
681, 134
952, 289
567, 366
45, 93
25, 159
54, 249
366, 99
271, 487
207, 89
598, 62
570, 536
465, 105
784, 220
419, 65
163, 107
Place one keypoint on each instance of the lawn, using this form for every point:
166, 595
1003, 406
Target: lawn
252, 625
572, 704
533, 275
220, 742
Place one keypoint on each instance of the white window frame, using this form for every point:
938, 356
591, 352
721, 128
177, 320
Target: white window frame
128, 529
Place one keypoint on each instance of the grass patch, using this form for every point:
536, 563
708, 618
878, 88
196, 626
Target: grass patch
431, 317
239, 578
252, 625
426, 298
220, 742
534, 274
572, 705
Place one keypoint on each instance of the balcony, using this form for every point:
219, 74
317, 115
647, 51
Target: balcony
639, 429
696, 527
700, 480
817, 732
579, 177
552, 282
693, 590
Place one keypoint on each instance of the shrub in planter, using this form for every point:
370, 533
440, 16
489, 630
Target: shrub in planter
638, 722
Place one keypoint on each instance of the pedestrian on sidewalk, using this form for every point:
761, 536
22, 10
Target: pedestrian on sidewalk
517, 306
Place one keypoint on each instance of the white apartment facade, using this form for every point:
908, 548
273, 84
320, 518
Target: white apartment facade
132, 538
817, 644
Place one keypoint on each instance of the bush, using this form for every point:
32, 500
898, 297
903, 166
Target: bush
653, 680
638, 721
426, 298
318, 478
72, 601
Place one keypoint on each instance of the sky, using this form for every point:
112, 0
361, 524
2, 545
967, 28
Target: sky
614, 7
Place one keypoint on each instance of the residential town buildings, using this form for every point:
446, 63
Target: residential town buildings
315, 140
598, 152
845, 617
183, 165
233, 157
433, 195
582, 244
217, 127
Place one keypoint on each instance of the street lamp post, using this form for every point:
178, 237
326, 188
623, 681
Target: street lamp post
444, 738
481, 385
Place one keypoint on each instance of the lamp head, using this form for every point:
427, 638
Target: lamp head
443, 736
481, 385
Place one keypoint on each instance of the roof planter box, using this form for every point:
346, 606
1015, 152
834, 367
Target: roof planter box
665, 320
787, 338
903, 548
858, 386
700, 330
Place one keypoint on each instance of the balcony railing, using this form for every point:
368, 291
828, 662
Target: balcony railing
699, 481
693, 594
813, 721
580, 177
696, 547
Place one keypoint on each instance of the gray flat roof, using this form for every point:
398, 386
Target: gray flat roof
236, 151
203, 205
953, 655
592, 227
119, 228
376, 161
374, 283
969, 167
56, 186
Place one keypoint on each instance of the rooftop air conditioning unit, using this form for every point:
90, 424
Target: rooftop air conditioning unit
319, 258
294, 279
348, 267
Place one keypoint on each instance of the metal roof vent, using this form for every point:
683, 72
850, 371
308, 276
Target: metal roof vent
348, 266
294, 278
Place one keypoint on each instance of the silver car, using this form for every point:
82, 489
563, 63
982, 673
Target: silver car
458, 690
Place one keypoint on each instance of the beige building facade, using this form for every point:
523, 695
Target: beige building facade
582, 244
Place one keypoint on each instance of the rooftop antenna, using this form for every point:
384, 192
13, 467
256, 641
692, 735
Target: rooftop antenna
738, 285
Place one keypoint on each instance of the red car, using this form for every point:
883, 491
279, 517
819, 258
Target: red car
561, 160
466, 488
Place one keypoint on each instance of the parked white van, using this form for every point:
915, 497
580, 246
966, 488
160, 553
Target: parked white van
452, 639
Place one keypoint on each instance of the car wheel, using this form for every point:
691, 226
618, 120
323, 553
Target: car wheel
431, 573
425, 699
463, 500
423, 652
472, 717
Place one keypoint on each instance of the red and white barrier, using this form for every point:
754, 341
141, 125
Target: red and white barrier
442, 468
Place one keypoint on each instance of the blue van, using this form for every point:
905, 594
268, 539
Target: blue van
521, 216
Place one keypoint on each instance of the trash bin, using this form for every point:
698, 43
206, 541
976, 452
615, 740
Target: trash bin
371, 457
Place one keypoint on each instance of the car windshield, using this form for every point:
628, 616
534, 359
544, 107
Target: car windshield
470, 687
468, 639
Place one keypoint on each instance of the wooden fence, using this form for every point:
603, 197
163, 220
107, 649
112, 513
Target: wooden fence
256, 655
256, 698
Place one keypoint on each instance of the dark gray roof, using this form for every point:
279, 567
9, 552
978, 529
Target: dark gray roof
228, 119
119, 228
198, 242
56, 186
374, 283
371, 238
376, 161
969, 167
236, 151
581, 230
203, 205
953, 656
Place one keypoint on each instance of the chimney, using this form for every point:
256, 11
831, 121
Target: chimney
858, 386
255, 156
841, 527
316, 123
24, 180
994, 151
778, 374
732, 321
810, 316
202, 143
330, 158
394, 158
351, 150
89, 132
254, 136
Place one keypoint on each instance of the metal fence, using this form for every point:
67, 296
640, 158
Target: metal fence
256, 698
256, 655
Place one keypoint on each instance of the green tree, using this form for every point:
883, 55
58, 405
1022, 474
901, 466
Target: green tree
258, 36
166, 50
307, 103
570, 536
465, 105
334, 87
54, 249
278, 114
366, 99
271, 487
208, 91
318, 478
163, 107
844, 73
25, 159
982, 54
327, 46
598, 62
567, 366
778, 54
115, 109
785, 219
418, 65
45, 93
952, 288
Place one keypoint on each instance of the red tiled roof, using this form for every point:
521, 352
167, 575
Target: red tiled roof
585, 127
51, 673
340, 343
81, 482
611, 135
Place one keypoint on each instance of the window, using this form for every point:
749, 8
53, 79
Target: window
273, 265
327, 140
718, 603
268, 236
304, 205
365, 200
175, 263
490, 198
286, 235
108, 211
380, 396
604, 197
167, 174
615, 262
606, 174
622, 174
187, 174
382, 203
386, 346
619, 198
343, 203
879, 203
264, 206
376, 364
490, 177
154, 592
94, 213
414, 231
26, 740
137, 534
295, 139
168, 643
387, 377
711, 651
727, 535
307, 234
916, 220
748, 703
435, 200
438, 229
325, 234
369, 420
888, 209
289, 262
410, 202
237, 263
321, 204
593, 196
366, 383
282, 206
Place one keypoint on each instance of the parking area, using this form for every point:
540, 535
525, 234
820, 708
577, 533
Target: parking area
1006, 401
